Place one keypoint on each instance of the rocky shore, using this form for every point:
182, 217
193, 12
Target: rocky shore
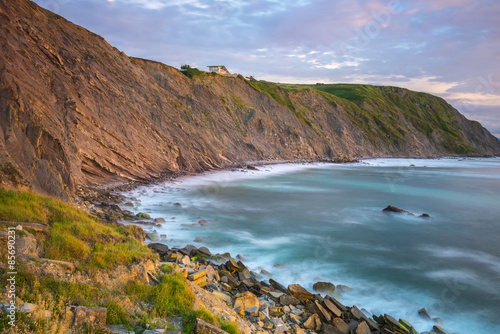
261, 304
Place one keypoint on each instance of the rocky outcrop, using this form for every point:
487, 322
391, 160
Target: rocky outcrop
76, 111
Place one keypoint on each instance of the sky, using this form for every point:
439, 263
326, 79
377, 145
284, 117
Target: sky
450, 48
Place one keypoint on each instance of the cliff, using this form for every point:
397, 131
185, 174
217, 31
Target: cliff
76, 111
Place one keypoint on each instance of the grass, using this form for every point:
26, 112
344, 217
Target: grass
74, 235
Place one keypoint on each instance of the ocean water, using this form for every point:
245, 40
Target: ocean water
324, 222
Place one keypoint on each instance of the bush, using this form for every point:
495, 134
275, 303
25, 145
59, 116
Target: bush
191, 72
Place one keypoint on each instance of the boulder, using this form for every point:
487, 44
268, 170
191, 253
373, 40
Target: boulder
337, 303
439, 330
289, 300
341, 326
424, 314
332, 308
204, 253
232, 265
310, 323
324, 287
299, 292
245, 301
277, 286
162, 249
363, 328
390, 208
197, 275
244, 274
320, 310
159, 220
343, 288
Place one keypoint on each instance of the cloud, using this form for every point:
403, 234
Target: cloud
444, 47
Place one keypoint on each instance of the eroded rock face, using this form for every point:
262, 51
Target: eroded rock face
76, 111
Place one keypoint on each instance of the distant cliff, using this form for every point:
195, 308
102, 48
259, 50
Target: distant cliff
76, 111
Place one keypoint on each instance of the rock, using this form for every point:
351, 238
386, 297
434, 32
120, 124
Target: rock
329, 329
222, 295
250, 167
341, 326
190, 250
277, 285
28, 308
424, 215
439, 330
153, 237
343, 288
363, 328
438, 321
119, 330
391, 322
41, 315
320, 310
94, 315
26, 245
159, 220
198, 239
239, 257
299, 292
337, 303
203, 327
353, 324
185, 260
177, 204
162, 249
357, 314
232, 265
245, 301
143, 215
310, 323
275, 296
252, 311
390, 208
244, 274
424, 314
197, 275
332, 308
211, 273
204, 253
226, 277
324, 287
289, 300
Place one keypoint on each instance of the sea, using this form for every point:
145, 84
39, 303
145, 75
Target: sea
304, 223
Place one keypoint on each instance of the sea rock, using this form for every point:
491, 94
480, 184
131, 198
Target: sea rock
439, 330
159, 220
232, 265
160, 248
424, 215
320, 310
299, 292
204, 253
277, 286
198, 239
390, 208
143, 215
153, 237
324, 287
343, 288
337, 303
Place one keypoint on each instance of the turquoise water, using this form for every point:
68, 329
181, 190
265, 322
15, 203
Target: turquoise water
309, 223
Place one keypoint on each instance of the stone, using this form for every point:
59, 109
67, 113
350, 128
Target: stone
363, 328
159, 220
245, 301
275, 295
329, 329
252, 311
162, 249
357, 314
323, 314
324, 287
277, 285
143, 215
391, 322
41, 315
289, 300
222, 295
299, 292
424, 314
153, 237
232, 265
94, 315
229, 279
119, 330
332, 308
341, 326
201, 282
203, 327
353, 324
197, 275
211, 273
239, 257
424, 215
343, 288
28, 308
439, 330
294, 318
337, 303
185, 260
198, 239
390, 208
244, 274
204, 253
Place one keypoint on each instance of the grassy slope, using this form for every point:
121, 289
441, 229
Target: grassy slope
76, 236
382, 111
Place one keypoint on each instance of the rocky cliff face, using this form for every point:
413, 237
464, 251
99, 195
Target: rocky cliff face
74, 110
